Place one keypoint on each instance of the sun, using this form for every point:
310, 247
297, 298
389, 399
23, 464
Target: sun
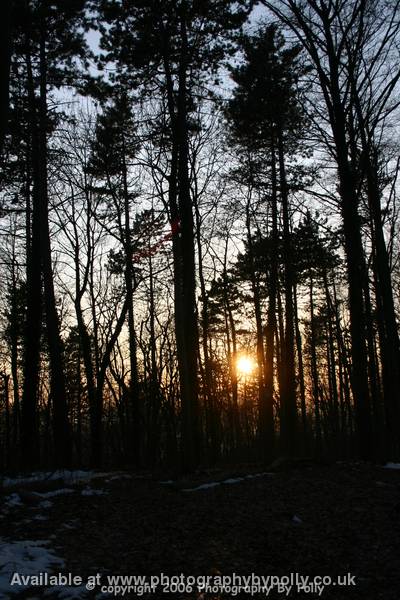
245, 365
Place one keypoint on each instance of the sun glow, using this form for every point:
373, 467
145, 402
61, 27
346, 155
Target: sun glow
245, 365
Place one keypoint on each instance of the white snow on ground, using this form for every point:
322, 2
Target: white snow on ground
65, 476
53, 493
392, 465
32, 558
26, 558
296, 520
120, 476
13, 500
231, 480
204, 486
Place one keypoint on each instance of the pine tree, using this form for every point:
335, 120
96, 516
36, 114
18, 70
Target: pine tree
172, 46
265, 115
48, 40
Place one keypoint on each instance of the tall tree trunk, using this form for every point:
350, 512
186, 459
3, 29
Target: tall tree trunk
386, 315
332, 370
33, 324
155, 395
319, 39
85, 341
355, 264
354, 252
288, 399
373, 371
231, 340
14, 338
136, 414
355, 260
7, 445
388, 329
344, 369
188, 334
267, 408
207, 371
255, 287
314, 375
61, 426
299, 348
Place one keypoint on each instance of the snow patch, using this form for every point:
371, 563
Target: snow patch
392, 465
25, 557
254, 475
228, 481
119, 476
204, 486
65, 476
13, 500
296, 520
54, 493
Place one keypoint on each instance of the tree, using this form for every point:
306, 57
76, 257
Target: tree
117, 144
314, 259
265, 115
48, 39
327, 31
173, 45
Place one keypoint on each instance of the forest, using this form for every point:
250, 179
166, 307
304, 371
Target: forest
199, 232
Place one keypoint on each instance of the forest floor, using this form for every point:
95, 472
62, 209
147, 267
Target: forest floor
306, 519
